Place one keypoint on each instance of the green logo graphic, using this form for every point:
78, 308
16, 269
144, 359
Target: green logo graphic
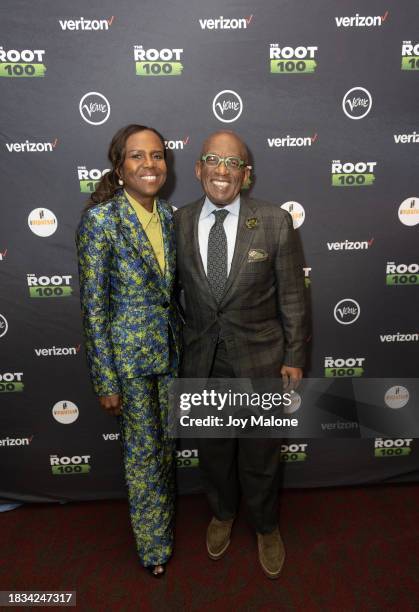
49, 287
402, 279
336, 368
88, 186
49, 291
154, 62
24, 63
339, 372
293, 66
77, 464
182, 462
289, 60
352, 180
89, 179
291, 457
392, 452
360, 174
410, 55
402, 274
10, 387
11, 382
61, 470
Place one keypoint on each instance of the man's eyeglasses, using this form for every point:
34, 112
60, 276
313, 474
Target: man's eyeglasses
232, 163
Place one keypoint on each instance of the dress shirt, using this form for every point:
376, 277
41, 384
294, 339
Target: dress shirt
151, 224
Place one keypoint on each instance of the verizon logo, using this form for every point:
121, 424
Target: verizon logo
350, 245
110, 436
398, 337
31, 147
359, 21
292, 141
86, 24
57, 351
224, 23
405, 138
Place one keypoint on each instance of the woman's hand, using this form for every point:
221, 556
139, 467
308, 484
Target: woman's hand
111, 403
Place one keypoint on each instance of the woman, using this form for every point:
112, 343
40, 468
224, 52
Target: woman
127, 258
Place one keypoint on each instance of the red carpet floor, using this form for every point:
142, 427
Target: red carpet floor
347, 549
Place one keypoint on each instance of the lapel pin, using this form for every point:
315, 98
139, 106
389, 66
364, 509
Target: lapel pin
252, 222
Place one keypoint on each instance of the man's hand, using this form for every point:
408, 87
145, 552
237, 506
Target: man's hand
111, 403
291, 377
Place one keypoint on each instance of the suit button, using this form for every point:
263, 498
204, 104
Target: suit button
165, 304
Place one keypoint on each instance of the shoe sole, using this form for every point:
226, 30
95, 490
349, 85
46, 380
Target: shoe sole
268, 573
219, 555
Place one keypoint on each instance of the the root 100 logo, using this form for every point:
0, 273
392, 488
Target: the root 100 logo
187, 458
290, 60
293, 452
25, 63
402, 274
410, 55
387, 447
11, 382
154, 62
89, 179
348, 174
49, 286
351, 366
307, 277
77, 464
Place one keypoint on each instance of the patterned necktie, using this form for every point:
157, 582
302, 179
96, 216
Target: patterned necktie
217, 255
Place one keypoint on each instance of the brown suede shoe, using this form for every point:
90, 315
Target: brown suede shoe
218, 538
271, 553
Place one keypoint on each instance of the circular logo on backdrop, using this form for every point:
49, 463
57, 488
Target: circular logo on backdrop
409, 212
4, 326
347, 311
42, 222
396, 397
357, 103
296, 211
65, 412
295, 403
227, 106
94, 108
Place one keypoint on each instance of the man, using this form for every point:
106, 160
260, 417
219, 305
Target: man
240, 267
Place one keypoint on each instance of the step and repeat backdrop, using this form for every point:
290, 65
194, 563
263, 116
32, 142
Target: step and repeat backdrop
324, 93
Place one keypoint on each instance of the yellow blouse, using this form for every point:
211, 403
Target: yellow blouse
151, 224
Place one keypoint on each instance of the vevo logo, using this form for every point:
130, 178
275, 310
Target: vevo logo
227, 106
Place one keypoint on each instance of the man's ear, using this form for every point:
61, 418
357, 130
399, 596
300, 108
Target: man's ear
246, 178
198, 170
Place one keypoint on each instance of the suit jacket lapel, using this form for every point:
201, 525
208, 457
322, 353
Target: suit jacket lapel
133, 232
191, 229
168, 243
244, 240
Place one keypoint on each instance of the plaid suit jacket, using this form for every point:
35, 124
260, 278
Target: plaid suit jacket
262, 315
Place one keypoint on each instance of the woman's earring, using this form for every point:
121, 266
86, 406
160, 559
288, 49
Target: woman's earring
120, 182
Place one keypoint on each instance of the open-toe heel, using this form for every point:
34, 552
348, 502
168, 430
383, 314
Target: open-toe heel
157, 574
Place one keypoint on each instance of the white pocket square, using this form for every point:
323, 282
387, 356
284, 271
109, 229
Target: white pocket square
256, 255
